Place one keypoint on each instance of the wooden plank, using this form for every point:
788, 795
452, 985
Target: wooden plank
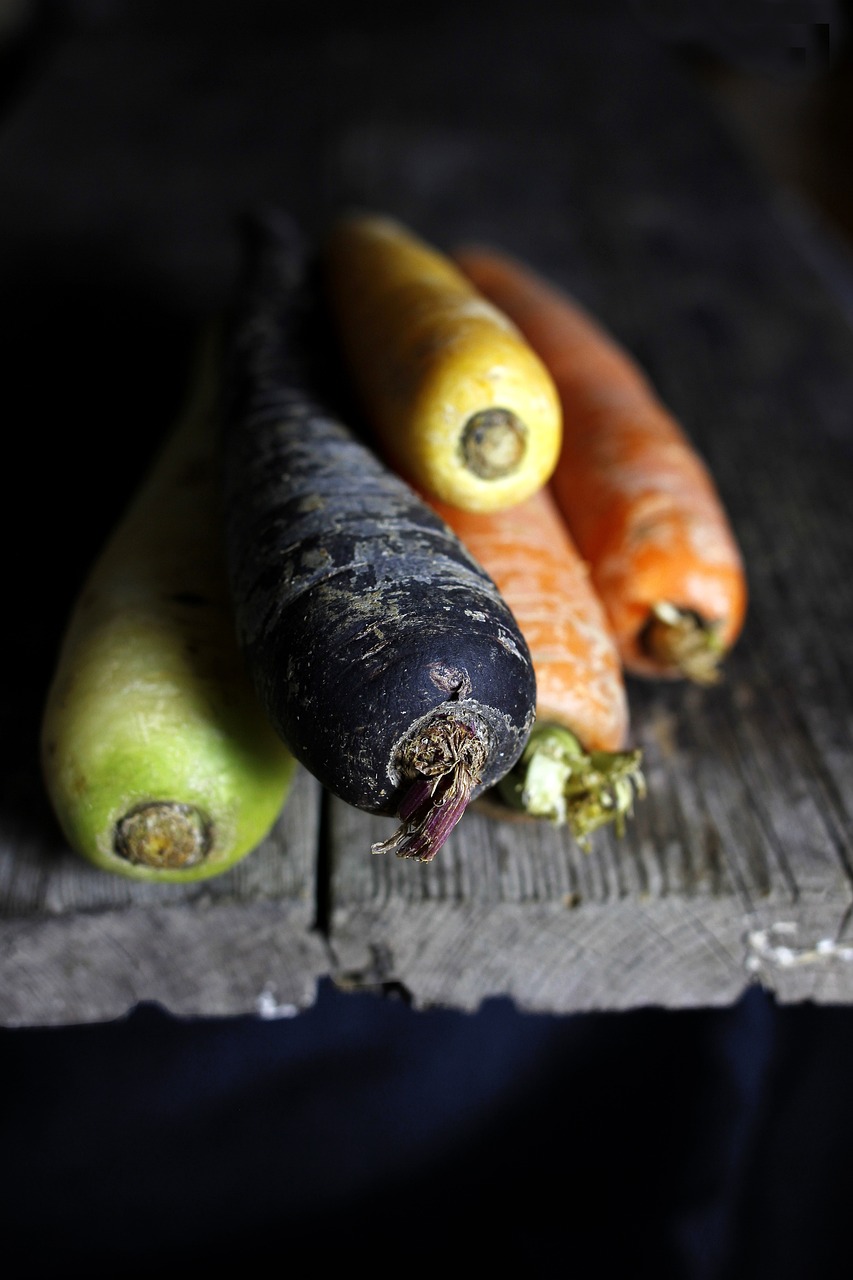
579, 143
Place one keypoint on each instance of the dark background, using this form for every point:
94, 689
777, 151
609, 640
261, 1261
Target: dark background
701, 1143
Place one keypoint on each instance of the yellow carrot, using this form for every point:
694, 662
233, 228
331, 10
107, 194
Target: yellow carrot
458, 401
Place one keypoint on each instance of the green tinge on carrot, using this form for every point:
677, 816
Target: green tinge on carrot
584, 790
156, 756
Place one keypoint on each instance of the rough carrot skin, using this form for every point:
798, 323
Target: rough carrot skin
457, 400
381, 651
575, 768
529, 554
639, 500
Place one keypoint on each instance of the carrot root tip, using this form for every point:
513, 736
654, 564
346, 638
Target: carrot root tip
164, 835
557, 780
684, 642
445, 762
493, 443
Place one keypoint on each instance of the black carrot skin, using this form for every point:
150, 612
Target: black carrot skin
383, 654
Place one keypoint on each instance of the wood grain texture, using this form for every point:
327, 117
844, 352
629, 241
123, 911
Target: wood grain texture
600, 162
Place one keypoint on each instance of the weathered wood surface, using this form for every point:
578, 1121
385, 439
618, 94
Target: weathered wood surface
574, 140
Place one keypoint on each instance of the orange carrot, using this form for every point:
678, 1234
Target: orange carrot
575, 768
639, 500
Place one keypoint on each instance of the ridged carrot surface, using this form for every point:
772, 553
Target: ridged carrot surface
639, 500
529, 554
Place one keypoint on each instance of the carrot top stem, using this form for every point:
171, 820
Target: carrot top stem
556, 778
163, 834
445, 762
685, 642
493, 443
